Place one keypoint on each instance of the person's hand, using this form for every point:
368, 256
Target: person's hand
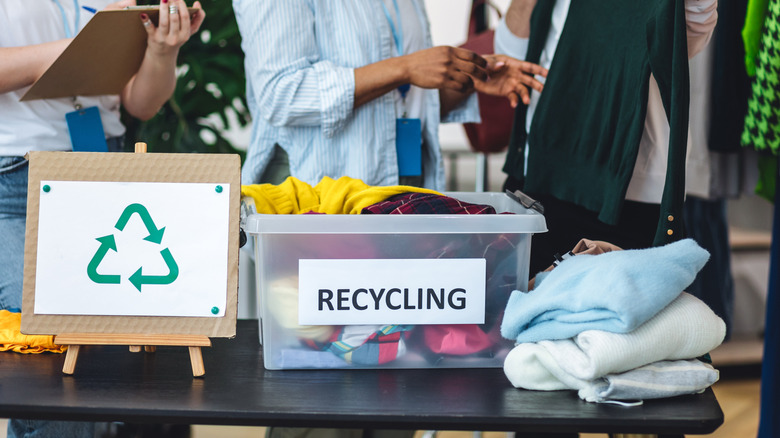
174, 27
445, 67
510, 77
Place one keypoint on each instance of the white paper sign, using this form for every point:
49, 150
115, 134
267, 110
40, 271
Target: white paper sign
132, 249
391, 291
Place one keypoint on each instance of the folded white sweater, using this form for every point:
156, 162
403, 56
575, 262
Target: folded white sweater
685, 329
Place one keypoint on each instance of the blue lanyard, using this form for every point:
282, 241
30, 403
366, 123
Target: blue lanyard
398, 37
398, 34
68, 32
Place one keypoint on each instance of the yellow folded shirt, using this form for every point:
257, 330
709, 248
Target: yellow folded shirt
342, 196
12, 339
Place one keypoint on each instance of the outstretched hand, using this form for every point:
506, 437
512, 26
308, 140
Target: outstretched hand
511, 78
445, 67
174, 27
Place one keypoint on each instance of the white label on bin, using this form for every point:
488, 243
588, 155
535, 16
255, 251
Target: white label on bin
391, 291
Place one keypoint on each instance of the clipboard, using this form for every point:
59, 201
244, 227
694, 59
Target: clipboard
101, 59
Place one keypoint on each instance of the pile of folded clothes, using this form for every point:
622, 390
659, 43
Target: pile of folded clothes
617, 327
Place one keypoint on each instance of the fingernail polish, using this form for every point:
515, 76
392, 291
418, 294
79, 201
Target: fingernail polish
144, 17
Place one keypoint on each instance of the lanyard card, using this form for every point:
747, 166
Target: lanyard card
408, 146
86, 130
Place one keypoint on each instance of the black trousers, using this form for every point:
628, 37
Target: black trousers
567, 223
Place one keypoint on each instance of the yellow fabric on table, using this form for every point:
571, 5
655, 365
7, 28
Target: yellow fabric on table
12, 339
342, 196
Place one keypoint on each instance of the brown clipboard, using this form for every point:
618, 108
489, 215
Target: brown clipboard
100, 60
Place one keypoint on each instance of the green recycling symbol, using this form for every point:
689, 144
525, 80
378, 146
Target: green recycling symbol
138, 279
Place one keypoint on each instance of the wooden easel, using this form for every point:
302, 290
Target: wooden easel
75, 340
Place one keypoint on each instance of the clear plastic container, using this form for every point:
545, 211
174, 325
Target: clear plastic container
282, 241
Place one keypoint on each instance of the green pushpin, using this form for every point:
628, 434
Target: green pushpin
218, 189
215, 310
46, 188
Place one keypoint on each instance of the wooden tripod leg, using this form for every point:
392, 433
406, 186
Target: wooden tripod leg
71, 356
196, 358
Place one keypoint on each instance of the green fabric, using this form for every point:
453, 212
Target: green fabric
751, 33
762, 123
587, 126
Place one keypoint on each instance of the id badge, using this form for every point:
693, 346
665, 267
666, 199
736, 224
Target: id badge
408, 146
86, 130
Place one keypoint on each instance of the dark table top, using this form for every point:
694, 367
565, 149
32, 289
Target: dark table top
113, 384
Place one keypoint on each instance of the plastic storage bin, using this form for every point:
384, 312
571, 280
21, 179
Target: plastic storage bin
398, 291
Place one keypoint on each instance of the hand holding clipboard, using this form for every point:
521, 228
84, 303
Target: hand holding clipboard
109, 50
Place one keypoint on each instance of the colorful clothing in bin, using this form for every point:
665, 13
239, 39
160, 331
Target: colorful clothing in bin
370, 345
340, 196
367, 345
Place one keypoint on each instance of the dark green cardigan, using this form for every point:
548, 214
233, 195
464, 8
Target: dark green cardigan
587, 126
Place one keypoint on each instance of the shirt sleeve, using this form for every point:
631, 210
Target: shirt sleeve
701, 17
292, 85
466, 112
507, 43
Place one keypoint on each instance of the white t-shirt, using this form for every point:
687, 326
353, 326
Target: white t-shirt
39, 125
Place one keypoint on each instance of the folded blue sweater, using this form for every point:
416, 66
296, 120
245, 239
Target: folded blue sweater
615, 292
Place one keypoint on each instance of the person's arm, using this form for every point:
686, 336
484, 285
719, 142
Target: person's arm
22, 66
155, 80
508, 77
518, 17
449, 69
701, 16
294, 86
287, 78
511, 78
515, 26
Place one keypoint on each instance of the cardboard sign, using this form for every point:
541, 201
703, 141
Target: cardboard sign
391, 291
131, 244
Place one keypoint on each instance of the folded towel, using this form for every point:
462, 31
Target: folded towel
685, 329
656, 380
616, 292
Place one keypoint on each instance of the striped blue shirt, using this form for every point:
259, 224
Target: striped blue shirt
300, 57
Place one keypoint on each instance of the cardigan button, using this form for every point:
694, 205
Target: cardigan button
670, 218
670, 231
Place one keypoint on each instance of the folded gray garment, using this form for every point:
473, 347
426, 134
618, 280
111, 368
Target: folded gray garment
656, 380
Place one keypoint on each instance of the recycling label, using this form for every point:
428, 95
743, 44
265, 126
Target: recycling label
132, 249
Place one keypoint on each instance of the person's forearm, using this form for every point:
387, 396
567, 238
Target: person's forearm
22, 66
379, 78
518, 17
151, 87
